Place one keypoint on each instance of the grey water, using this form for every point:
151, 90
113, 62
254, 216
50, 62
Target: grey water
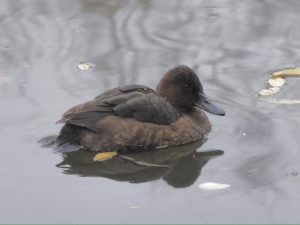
232, 44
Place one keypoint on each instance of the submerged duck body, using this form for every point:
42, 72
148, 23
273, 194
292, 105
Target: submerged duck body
136, 118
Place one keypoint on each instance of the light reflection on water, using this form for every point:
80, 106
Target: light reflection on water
233, 45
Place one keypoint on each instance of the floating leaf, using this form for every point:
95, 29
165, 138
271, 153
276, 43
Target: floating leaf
211, 186
83, 66
86, 66
287, 72
102, 156
276, 82
269, 91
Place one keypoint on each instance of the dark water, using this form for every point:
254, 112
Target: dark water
233, 45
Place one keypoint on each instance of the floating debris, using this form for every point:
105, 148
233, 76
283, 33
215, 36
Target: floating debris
86, 67
268, 91
211, 186
289, 72
275, 84
281, 101
102, 156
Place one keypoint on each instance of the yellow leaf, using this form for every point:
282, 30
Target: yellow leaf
84, 66
104, 156
287, 72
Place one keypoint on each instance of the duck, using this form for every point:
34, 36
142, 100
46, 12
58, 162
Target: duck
136, 118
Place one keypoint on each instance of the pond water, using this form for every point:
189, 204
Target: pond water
233, 45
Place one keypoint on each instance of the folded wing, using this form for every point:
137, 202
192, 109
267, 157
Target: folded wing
132, 101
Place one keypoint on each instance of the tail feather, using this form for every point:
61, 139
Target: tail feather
70, 134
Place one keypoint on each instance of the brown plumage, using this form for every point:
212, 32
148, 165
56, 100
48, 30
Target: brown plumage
135, 117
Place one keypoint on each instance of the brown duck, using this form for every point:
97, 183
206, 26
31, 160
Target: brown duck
135, 117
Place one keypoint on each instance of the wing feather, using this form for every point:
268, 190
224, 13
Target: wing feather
136, 101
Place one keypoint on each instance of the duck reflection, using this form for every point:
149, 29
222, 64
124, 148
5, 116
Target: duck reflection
179, 166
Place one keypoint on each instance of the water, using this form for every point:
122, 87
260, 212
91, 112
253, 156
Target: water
232, 45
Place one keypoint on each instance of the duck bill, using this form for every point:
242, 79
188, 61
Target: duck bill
207, 105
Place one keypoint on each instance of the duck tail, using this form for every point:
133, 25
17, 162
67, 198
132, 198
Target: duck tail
69, 134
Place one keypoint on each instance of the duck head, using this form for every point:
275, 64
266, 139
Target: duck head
182, 88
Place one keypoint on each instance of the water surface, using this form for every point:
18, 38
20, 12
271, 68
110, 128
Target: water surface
232, 45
